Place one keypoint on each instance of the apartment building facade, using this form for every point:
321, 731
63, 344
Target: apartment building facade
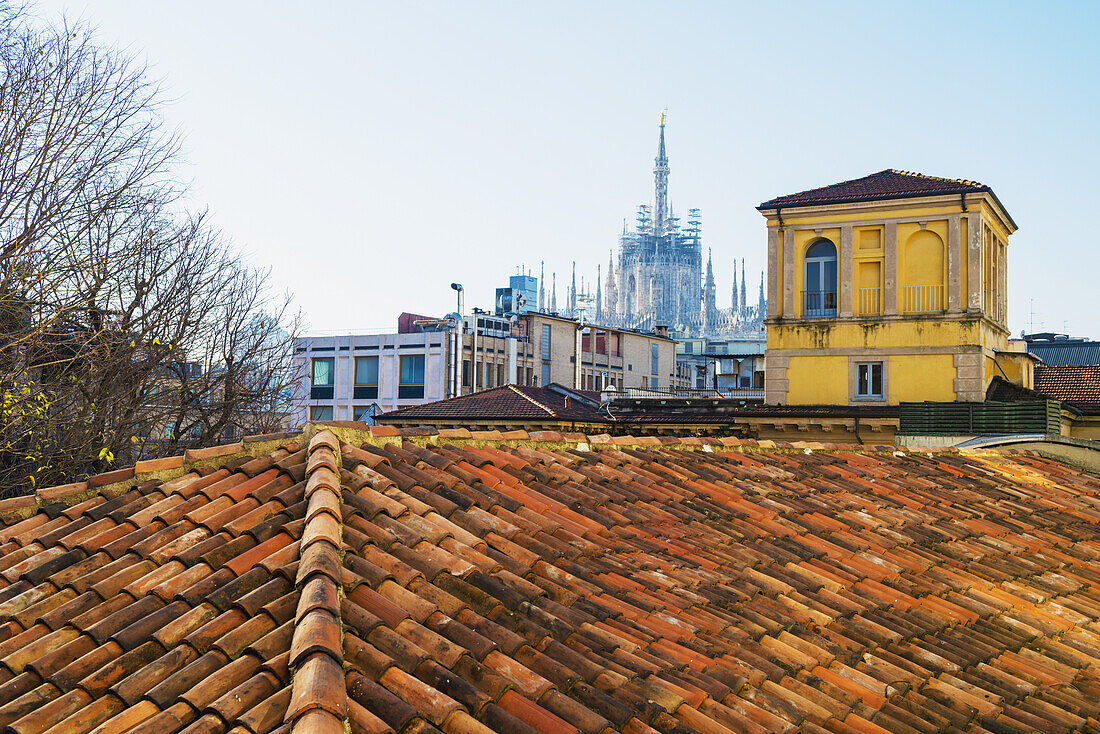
887, 289
354, 377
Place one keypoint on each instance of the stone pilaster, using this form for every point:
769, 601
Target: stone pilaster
845, 275
954, 270
788, 273
973, 261
775, 380
969, 381
773, 272
890, 268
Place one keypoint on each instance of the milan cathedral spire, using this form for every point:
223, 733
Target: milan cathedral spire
657, 276
542, 285
573, 291
710, 286
599, 295
660, 175
763, 306
744, 298
554, 293
736, 301
611, 293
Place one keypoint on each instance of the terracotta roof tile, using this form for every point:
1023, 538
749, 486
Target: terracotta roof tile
637, 587
1078, 385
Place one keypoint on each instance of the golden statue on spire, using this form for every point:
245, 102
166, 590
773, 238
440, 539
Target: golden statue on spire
662, 118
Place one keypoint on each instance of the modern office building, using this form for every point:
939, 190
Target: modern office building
354, 377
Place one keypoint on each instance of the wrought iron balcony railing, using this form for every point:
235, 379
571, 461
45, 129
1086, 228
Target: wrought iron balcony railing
818, 304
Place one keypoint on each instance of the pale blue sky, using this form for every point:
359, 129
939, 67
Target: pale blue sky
372, 153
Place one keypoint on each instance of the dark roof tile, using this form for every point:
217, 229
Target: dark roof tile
888, 184
1078, 386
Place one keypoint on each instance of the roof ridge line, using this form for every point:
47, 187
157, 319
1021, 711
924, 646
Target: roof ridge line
531, 400
319, 696
929, 176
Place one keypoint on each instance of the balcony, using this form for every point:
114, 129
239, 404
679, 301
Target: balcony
923, 299
870, 301
818, 304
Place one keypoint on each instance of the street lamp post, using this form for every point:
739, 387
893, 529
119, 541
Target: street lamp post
456, 341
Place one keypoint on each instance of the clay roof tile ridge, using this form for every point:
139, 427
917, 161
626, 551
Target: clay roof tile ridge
319, 699
524, 395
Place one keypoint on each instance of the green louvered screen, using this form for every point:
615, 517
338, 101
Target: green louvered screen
980, 419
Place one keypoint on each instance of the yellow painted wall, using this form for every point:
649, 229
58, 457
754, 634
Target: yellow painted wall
877, 334
821, 375
818, 380
799, 217
917, 377
1014, 367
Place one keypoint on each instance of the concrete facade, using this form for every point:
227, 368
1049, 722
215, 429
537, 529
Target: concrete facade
342, 400
607, 358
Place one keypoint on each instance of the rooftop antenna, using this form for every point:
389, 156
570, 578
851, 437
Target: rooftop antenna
1032, 320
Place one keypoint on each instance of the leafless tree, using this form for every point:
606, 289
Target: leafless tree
129, 327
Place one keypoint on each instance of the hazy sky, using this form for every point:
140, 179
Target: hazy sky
371, 153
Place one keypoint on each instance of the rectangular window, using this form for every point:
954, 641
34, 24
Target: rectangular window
322, 378
364, 413
465, 373
411, 383
869, 380
546, 341
601, 342
613, 344
320, 413
654, 358
545, 374
324, 372
366, 378
500, 374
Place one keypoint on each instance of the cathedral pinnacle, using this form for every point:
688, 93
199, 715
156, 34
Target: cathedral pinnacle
660, 173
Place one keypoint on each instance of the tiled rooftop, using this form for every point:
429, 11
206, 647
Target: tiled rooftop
508, 402
1077, 385
412, 581
888, 184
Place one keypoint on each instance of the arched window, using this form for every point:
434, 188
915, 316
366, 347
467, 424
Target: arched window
819, 287
922, 275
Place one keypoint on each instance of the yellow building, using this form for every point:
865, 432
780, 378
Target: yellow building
887, 289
